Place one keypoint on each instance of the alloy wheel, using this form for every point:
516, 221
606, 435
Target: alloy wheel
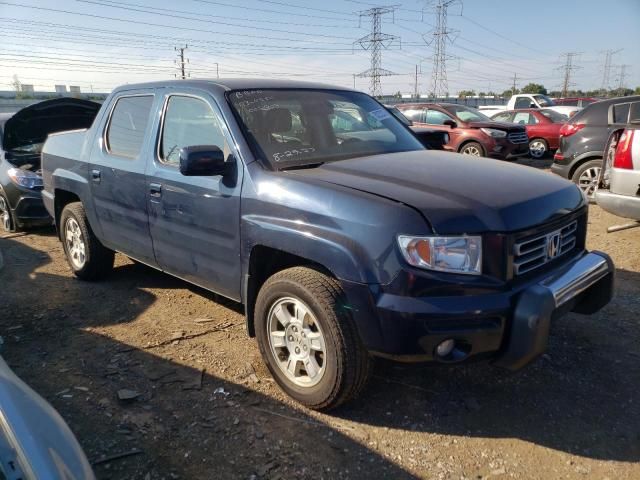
588, 181
75, 243
297, 342
537, 149
471, 150
5, 215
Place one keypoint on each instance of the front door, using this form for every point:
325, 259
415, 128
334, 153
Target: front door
195, 221
117, 176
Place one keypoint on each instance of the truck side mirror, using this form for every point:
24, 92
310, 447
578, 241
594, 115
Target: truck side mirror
203, 161
533, 105
451, 123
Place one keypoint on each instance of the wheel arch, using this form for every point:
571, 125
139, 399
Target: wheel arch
62, 198
265, 261
582, 160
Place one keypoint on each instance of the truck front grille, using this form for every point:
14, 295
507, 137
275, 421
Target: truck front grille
536, 251
518, 137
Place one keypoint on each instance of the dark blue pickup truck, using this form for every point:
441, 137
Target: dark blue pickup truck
321, 212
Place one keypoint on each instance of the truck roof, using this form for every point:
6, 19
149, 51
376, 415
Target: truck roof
227, 84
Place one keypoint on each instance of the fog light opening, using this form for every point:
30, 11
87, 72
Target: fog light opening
445, 348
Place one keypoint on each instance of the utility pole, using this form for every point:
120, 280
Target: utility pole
606, 72
568, 68
354, 80
621, 78
440, 35
181, 60
415, 85
515, 79
376, 41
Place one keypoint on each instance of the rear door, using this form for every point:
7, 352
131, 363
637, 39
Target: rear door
117, 175
194, 221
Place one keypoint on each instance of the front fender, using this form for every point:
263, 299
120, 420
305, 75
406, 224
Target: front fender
329, 248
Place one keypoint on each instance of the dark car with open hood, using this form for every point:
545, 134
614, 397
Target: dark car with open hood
22, 135
317, 209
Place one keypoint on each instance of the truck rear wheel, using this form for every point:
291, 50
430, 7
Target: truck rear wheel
87, 257
308, 339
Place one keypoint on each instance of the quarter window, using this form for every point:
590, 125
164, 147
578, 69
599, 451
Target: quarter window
188, 122
127, 126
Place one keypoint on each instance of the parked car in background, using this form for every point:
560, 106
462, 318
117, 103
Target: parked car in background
431, 138
470, 131
35, 442
342, 244
526, 100
583, 139
619, 184
22, 135
580, 102
542, 125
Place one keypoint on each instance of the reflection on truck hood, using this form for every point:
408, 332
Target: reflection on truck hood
456, 193
31, 125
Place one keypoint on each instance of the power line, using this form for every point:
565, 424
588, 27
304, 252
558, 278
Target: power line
375, 42
441, 35
569, 67
181, 60
621, 77
606, 73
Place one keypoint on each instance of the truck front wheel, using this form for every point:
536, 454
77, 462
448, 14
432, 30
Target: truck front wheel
308, 339
87, 257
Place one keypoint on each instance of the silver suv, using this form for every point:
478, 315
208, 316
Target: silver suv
619, 185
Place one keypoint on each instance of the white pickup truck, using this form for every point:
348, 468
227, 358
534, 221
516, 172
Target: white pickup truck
525, 100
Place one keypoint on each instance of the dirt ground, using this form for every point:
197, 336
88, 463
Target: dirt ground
207, 407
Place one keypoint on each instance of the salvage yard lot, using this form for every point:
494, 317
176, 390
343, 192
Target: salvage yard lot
204, 406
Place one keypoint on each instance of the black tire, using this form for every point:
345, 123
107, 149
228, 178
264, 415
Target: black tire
540, 150
98, 260
586, 176
472, 146
7, 222
347, 362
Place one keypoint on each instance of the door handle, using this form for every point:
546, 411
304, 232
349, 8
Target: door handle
95, 176
155, 189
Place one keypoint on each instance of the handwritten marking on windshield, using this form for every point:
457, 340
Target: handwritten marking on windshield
279, 156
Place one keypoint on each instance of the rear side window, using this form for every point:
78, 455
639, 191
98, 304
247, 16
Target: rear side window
502, 117
415, 114
189, 122
129, 119
435, 117
621, 113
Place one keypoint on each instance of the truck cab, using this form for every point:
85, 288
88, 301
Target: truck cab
318, 210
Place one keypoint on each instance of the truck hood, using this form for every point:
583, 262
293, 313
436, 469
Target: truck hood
456, 193
30, 126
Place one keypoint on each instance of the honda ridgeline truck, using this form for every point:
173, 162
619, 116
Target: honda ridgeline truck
320, 211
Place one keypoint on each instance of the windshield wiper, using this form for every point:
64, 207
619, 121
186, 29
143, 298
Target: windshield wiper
301, 167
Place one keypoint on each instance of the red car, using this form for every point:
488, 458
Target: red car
575, 101
543, 128
470, 131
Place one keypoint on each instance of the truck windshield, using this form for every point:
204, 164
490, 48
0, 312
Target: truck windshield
295, 128
543, 101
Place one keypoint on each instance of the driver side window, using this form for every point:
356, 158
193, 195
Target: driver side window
436, 117
188, 122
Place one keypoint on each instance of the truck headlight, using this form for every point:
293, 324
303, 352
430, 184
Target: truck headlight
444, 254
25, 178
492, 132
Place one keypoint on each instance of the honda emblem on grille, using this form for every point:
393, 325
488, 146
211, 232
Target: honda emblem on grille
553, 245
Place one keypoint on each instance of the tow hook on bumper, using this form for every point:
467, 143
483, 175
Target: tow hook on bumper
592, 273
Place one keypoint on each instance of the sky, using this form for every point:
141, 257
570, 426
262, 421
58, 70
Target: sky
100, 44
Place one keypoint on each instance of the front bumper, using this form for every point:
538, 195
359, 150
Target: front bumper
504, 149
26, 206
509, 326
626, 206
